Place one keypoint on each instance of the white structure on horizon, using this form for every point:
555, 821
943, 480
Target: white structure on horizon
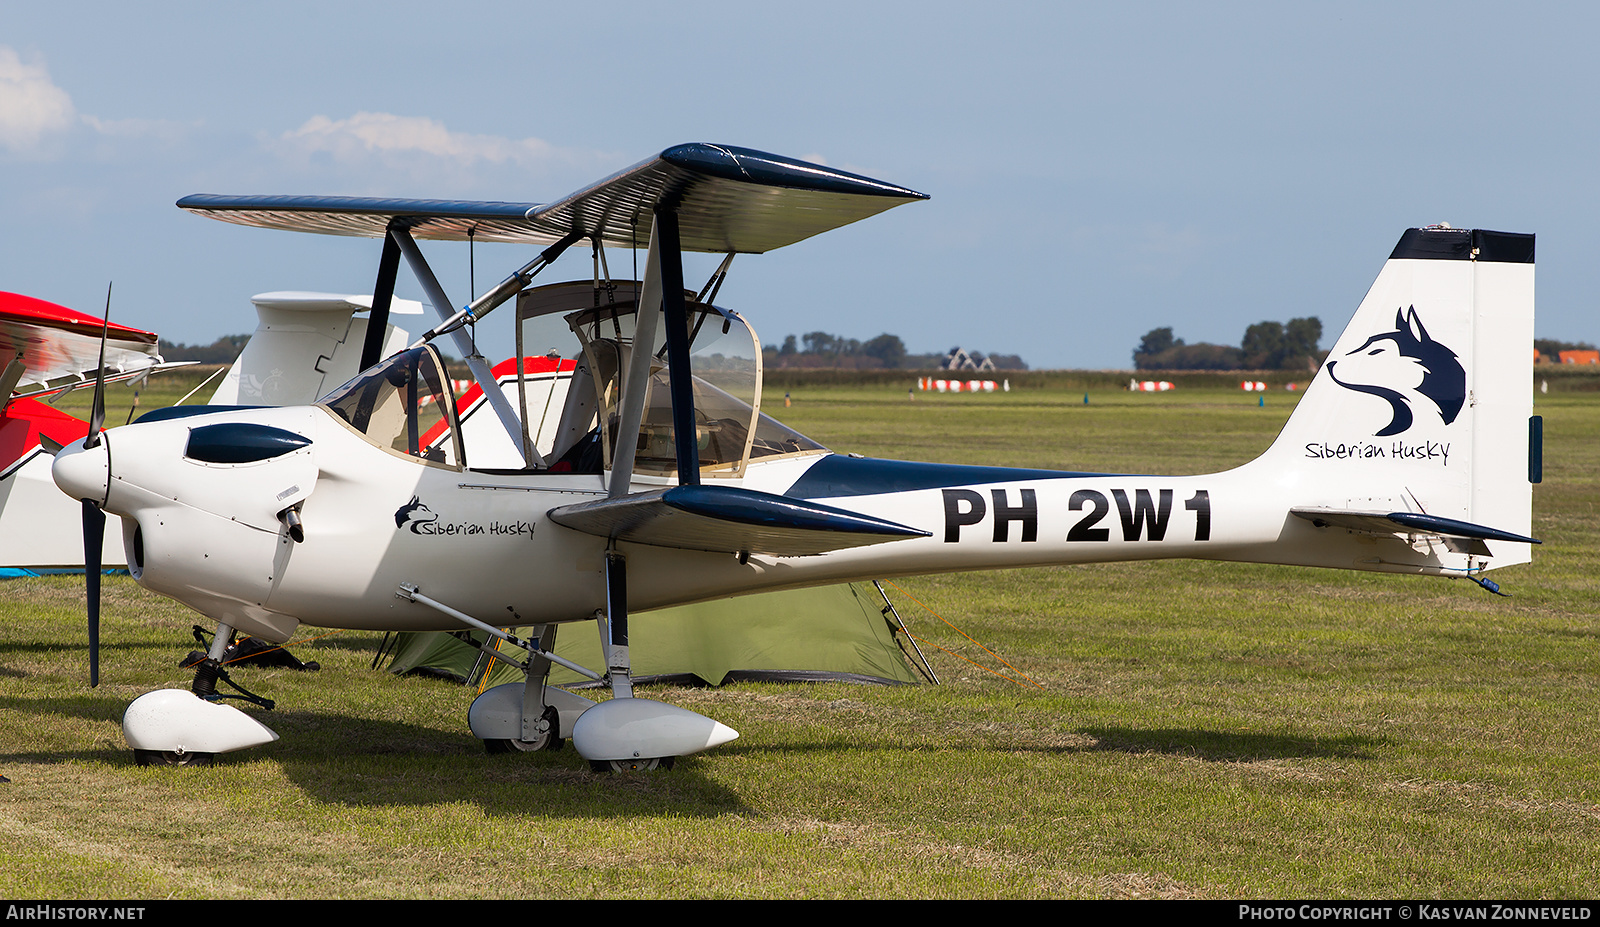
960, 359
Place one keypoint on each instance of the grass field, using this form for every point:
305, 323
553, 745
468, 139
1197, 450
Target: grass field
1192, 730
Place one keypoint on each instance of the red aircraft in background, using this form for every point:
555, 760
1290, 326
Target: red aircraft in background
47, 350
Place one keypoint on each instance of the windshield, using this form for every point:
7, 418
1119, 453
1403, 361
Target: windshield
594, 327
395, 405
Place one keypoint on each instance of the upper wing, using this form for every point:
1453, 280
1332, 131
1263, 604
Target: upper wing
730, 520
727, 199
51, 341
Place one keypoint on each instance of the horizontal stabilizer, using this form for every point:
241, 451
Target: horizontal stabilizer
299, 301
1462, 535
726, 198
730, 520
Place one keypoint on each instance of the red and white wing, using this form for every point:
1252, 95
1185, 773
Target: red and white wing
53, 342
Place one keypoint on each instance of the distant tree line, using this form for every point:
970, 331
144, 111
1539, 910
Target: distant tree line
815, 349
824, 349
1265, 346
224, 350
1551, 348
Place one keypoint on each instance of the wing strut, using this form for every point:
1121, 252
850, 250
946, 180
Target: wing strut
677, 319
10, 378
660, 299
463, 340
382, 296
636, 379
503, 290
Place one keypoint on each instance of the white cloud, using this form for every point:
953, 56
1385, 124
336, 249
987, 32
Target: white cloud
367, 135
31, 106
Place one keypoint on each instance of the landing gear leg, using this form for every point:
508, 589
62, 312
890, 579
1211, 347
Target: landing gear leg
518, 716
628, 733
541, 722
619, 665
208, 671
173, 727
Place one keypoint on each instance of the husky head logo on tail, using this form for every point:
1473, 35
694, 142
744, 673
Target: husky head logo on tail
1402, 367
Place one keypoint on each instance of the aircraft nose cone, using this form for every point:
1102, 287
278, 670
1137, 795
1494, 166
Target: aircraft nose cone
84, 473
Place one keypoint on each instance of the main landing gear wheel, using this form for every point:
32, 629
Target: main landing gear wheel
616, 766
524, 746
172, 758
545, 741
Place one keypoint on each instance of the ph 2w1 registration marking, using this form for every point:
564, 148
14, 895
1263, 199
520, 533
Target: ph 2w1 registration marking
1145, 515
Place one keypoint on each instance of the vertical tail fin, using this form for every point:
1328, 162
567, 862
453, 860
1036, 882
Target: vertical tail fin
1424, 403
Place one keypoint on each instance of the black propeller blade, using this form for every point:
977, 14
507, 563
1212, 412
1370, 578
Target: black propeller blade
97, 418
94, 535
94, 520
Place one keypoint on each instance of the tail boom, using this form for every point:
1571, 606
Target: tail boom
1410, 452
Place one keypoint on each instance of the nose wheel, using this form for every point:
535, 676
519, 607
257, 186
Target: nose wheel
617, 766
178, 727
172, 758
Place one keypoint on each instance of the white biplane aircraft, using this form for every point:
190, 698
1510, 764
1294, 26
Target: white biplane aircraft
636, 469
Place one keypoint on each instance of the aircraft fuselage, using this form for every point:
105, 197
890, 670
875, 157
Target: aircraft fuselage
210, 535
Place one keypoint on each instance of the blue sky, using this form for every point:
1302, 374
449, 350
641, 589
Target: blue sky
1096, 170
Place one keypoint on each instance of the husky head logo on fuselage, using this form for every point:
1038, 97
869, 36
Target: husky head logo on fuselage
413, 514
1402, 367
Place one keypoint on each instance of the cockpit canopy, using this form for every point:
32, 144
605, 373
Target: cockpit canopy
593, 327
578, 342
401, 404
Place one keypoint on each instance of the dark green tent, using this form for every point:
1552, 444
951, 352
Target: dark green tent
827, 632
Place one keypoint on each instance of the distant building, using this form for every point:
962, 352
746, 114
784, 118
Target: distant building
959, 359
1580, 357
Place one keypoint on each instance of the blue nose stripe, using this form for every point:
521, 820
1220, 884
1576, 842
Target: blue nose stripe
241, 442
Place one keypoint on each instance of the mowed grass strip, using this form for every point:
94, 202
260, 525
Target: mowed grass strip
1194, 730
